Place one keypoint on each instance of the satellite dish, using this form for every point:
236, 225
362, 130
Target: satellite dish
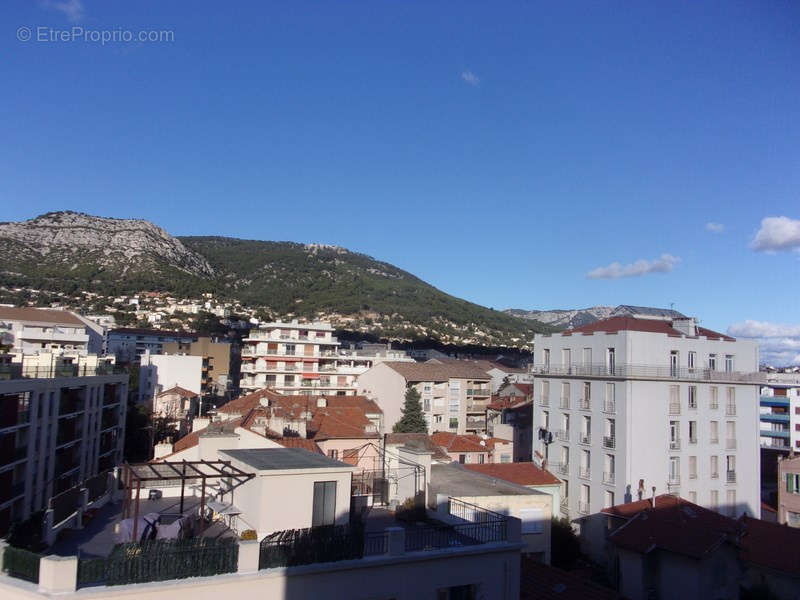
264, 401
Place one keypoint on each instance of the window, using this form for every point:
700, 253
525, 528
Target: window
692, 467
692, 397
674, 364
545, 419
324, 509
462, 458
712, 362
587, 357
481, 458
453, 423
714, 397
674, 400
714, 432
532, 520
692, 432
674, 469
730, 435
565, 424
793, 483
289, 349
564, 394
714, 499
714, 467
730, 501
565, 461
437, 419
334, 454
729, 363
545, 393
505, 458
585, 499
546, 358
587, 394
566, 358
611, 360
691, 360
611, 400
674, 435
730, 407
586, 430
693, 497
609, 499
458, 592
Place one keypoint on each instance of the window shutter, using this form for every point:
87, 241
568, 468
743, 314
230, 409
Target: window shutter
790, 483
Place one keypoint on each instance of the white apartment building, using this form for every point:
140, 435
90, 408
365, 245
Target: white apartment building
54, 433
305, 358
129, 343
160, 372
36, 330
454, 393
626, 406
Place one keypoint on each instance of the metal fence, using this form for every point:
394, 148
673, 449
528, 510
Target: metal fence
375, 543
631, 371
312, 545
160, 560
432, 537
65, 504
97, 485
21, 564
16, 371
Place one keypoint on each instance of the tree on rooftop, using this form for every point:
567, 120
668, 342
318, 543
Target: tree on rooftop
412, 421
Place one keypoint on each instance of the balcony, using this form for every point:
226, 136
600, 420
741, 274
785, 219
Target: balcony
674, 484
584, 473
584, 404
564, 403
14, 455
479, 392
693, 439
544, 401
565, 506
583, 507
631, 371
675, 444
609, 477
730, 410
730, 477
610, 407
714, 475
562, 435
585, 438
730, 444
714, 440
563, 468
674, 408
477, 407
609, 442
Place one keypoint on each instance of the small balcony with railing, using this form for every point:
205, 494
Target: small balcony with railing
544, 401
674, 484
584, 472
609, 477
730, 477
674, 408
564, 506
583, 507
610, 407
648, 371
609, 442
730, 410
584, 404
562, 435
564, 403
675, 444
585, 438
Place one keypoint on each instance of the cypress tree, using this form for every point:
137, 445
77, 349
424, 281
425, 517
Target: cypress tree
412, 421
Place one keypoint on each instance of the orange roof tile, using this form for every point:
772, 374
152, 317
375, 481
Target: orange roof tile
183, 392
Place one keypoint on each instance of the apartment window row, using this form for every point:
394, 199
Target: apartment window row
585, 400
692, 363
692, 429
675, 404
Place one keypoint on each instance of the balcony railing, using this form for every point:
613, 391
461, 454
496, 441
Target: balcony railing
714, 440
714, 474
730, 409
564, 403
563, 468
16, 371
544, 401
610, 442
730, 444
479, 392
562, 435
674, 408
565, 506
693, 439
731, 477
584, 404
608, 477
609, 407
586, 438
675, 444
584, 473
631, 371
713, 405
674, 485
583, 507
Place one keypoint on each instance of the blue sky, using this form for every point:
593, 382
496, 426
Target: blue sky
500, 151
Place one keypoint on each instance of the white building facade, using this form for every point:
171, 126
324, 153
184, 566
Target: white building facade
160, 372
628, 405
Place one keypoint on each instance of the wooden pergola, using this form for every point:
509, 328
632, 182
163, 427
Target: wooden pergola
134, 475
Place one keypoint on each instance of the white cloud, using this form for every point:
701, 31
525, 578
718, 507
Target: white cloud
72, 9
470, 77
777, 233
779, 343
664, 264
715, 227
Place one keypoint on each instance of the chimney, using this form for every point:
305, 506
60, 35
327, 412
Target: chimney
654, 496
162, 449
200, 423
687, 326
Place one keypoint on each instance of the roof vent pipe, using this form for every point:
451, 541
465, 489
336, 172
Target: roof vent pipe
654, 496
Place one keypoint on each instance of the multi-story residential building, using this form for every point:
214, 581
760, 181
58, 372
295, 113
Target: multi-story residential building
455, 394
55, 432
789, 490
469, 449
630, 405
129, 343
780, 411
305, 358
216, 362
35, 330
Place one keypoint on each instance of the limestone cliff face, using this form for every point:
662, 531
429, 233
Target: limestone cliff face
114, 243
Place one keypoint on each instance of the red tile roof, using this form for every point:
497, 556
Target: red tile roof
616, 324
770, 545
675, 525
419, 441
453, 442
438, 371
183, 392
40, 315
191, 439
541, 582
296, 442
333, 422
520, 473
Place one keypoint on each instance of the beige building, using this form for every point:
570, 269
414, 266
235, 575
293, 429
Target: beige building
216, 362
454, 394
789, 491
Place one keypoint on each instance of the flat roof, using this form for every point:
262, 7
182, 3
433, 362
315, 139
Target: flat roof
455, 480
282, 459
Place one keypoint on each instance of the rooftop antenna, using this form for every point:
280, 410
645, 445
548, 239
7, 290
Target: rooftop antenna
672, 306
